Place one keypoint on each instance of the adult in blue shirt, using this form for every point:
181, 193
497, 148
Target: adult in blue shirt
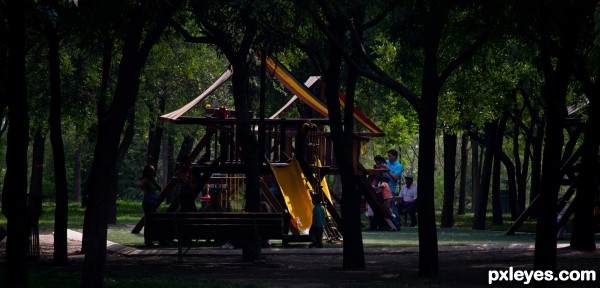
394, 175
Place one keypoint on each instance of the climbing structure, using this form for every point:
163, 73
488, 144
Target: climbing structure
298, 154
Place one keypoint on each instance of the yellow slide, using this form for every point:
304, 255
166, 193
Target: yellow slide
295, 191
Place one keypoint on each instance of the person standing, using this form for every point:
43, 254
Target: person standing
147, 183
408, 200
187, 187
393, 174
318, 222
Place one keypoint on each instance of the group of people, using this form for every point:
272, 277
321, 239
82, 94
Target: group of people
385, 185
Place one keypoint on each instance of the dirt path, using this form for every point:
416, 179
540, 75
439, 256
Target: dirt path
460, 266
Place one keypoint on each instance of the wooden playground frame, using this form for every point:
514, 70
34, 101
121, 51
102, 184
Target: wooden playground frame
217, 152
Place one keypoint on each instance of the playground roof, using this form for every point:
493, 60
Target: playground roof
301, 91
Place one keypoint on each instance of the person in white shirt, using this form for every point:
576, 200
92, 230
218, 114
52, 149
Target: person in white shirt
408, 199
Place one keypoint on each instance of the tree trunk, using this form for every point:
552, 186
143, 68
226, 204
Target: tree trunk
480, 212
584, 224
554, 93
475, 175
34, 205
536, 166
354, 256
251, 250
76, 194
134, 54
462, 190
450, 142
168, 162
512, 184
14, 195
60, 174
155, 136
428, 246
587, 188
126, 141
497, 146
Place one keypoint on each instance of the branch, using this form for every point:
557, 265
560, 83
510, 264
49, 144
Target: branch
189, 37
378, 75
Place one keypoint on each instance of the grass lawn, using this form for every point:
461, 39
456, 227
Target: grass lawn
129, 213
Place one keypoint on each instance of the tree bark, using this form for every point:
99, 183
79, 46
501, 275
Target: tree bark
14, 196
135, 51
54, 121
462, 190
480, 212
475, 175
557, 72
450, 143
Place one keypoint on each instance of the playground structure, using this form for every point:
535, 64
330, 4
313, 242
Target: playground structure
569, 173
298, 154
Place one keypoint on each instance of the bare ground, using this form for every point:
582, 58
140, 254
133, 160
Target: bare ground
461, 266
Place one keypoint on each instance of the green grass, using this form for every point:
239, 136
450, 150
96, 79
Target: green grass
130, 212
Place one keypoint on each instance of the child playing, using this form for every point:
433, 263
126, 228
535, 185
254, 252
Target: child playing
384, 192
318, 222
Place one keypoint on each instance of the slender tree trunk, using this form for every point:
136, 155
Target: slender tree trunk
76, 194
355, 253
587, 189
155, 136
480, 215
498, 149
450, 142
34, 205
536, 166
135, 51
14, 195
126, 141
496, 203
475, 175
58, 152
512, 184
462, 190
168, 161
588, 179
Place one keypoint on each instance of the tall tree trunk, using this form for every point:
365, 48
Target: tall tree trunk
536, 166
60, 174
557, 73
587, 188
428, 246
450, 142
251, 250
134, 54
14, 195
475, 175
34, 205
126, 141
512, 184
498, 149
76, 193
480, 215
496, 202
155, 136
354, 256
353, 251
462, 189
168, 162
